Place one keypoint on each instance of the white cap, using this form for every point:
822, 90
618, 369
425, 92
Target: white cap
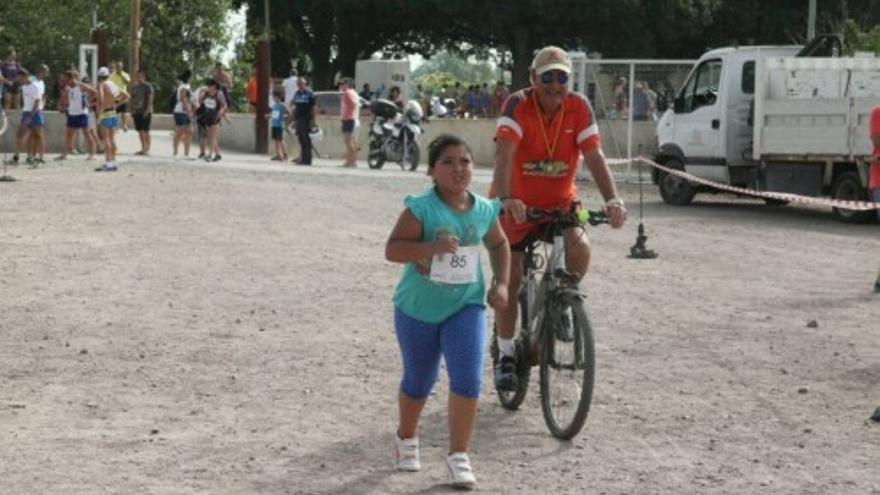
550, 58
103, 72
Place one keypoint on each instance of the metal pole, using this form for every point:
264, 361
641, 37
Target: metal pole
629, 119
811, 22
135, 49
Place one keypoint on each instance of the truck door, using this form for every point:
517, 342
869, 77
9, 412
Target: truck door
698, 122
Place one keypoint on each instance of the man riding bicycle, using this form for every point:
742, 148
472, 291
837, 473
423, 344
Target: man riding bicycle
540, 136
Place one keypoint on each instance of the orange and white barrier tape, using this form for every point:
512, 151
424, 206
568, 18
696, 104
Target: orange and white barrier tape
793, 198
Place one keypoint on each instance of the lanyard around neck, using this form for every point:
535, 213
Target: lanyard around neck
550, 149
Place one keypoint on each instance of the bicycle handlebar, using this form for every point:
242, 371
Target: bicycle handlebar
593, 217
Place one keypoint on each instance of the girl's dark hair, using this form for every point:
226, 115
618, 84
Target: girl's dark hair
440, 143
185, 76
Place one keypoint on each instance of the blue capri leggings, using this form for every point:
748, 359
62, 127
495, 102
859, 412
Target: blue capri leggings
460, 340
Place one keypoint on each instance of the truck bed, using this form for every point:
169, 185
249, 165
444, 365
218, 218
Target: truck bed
814, 108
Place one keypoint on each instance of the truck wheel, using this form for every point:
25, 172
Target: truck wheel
849, 187
675, 190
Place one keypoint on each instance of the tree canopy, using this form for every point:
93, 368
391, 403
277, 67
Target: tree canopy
333, 35
326, 38
175, 35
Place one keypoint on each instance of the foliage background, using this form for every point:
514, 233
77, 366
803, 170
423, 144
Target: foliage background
324, 38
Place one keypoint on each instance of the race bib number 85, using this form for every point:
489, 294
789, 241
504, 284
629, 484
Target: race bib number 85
458, 268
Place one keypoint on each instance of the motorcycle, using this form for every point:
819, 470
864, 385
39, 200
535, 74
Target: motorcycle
394, 135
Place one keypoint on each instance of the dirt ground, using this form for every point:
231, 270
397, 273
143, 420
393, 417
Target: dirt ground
226, 329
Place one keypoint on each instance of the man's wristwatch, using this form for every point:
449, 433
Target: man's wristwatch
614, 202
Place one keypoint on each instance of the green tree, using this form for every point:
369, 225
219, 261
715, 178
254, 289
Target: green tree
329, 37
174, 34
863, 40
457, 67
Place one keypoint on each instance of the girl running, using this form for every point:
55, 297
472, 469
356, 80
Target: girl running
438, 302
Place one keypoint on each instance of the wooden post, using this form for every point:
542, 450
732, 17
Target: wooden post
134, 59
261, 144
99, 37
264, 73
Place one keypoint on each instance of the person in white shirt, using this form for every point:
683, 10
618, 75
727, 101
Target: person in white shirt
290, 88
183, 114
31, 116
37, 148
77, 114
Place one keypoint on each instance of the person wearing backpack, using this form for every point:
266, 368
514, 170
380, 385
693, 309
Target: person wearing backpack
182, 114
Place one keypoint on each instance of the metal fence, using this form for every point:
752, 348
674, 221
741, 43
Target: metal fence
628, 97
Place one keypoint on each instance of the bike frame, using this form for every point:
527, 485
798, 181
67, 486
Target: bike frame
534, 292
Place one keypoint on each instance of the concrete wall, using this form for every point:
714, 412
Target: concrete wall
478, 133
239, 135
56, 123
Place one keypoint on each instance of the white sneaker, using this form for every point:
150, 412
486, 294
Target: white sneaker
406, 453
460, 470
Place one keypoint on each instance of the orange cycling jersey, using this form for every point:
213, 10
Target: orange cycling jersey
547, 152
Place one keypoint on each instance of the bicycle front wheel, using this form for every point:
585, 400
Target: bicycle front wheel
512, 399
568, 365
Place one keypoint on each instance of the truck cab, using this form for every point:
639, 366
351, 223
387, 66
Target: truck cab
710, 130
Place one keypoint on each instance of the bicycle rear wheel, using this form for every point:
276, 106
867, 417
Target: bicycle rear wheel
568, 364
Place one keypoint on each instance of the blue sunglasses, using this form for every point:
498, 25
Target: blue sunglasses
547, 77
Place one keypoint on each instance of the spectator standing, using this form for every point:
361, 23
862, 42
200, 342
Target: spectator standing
366, 93
619, 98
109, 99
395, 97
183, 114
498, 97
198, 113
457, 95
251, 90
37, 139
31, 117
348, 113
290, 88
92, 101
77, 97
11, 87
278, 117
652, 100
121, 79
224, 79
485, 101
470, 101
304, 115
640, 102
142, 98
874, 180
61, 85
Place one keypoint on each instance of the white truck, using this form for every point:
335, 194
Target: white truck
382, 75
772, 118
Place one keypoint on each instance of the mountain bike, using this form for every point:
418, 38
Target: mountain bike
555, 332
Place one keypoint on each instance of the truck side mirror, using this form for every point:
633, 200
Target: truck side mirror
678, 105
663, 103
